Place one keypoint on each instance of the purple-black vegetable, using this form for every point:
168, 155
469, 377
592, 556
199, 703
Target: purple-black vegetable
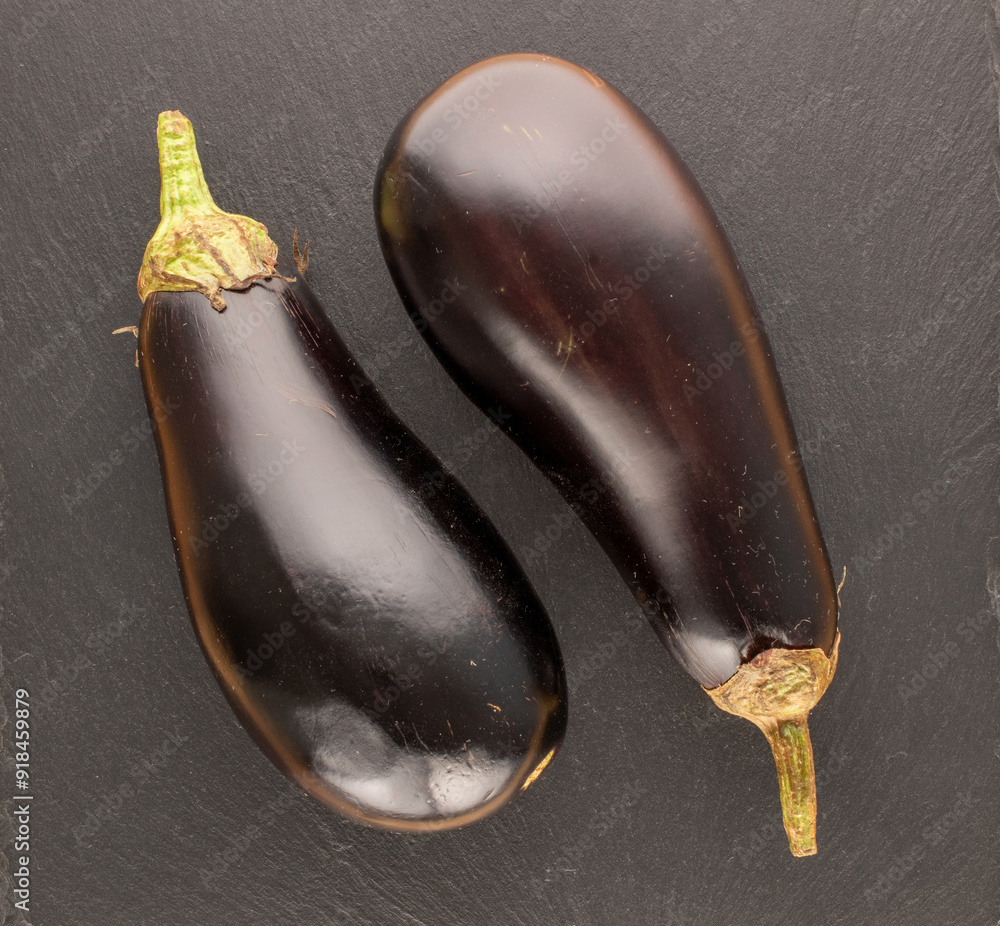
368, 625
560, 259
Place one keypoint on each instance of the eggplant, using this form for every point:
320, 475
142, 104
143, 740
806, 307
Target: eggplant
559, 258
368, 625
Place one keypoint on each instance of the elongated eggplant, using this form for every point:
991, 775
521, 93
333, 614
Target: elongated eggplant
559, 258
368, 625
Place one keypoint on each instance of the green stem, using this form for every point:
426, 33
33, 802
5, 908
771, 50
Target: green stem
197, 247
793, 757
182, 179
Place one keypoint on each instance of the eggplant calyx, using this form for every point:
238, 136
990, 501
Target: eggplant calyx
197, 247
776, 690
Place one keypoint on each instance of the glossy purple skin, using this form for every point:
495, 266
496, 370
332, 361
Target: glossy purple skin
368, 625
560, 259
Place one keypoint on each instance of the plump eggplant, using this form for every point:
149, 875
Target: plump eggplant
367, 623
560, 259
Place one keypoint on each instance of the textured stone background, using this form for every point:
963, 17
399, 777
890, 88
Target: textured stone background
849, 151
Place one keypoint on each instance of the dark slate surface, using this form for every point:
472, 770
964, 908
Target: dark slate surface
849, 151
